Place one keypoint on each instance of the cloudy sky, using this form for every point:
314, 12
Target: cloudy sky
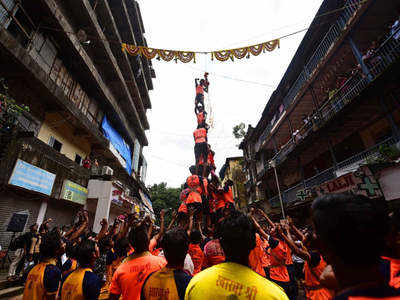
239, 90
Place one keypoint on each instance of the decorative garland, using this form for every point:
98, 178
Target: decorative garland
188, 56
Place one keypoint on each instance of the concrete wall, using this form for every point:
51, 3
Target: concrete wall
61, 213
58, 127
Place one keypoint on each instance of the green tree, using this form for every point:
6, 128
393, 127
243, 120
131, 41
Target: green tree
164, 197
11, 109
239, 131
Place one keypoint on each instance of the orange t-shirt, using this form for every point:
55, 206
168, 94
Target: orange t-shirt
193, 181
315, 293
278, 270
394, 271
183, 208
228, 196
256, 257
220, 201
289, 260
197, 256
200, 118
130, 275
200, 89
203, 190
194, 197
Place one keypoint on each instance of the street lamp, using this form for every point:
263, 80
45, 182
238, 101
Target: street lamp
273, 165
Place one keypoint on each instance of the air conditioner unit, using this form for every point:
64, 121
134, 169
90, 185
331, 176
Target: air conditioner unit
106, 170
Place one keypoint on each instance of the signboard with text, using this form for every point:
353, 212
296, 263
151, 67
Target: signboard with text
74, 192
32, 178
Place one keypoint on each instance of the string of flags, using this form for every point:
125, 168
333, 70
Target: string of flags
188, 56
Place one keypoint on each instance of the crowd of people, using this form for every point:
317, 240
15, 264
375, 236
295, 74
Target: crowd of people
351, 251
211, 250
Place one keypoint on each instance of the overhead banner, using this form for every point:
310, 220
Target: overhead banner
32, 178
188, 56
74, 192
118, 143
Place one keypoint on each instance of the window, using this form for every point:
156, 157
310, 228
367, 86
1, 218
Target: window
78, 159
55, 144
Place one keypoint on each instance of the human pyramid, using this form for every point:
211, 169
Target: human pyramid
204, 197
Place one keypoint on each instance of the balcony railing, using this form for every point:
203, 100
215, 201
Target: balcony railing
333, 34
325, 46
372, 152
290, 195
385, 56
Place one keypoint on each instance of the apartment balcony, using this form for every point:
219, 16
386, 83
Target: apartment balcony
386, 55
28, 148
336, 33
352, 163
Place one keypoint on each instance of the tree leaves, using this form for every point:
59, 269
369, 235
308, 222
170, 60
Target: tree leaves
164, 197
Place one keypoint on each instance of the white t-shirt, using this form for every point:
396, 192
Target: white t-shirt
187, 265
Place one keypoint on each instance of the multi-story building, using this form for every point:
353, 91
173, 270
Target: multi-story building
332, 123
233, 170
80, 144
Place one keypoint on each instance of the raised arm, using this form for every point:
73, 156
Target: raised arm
159, 235
191, 216
103, 230
295, 230
79, 231
302, 253
263, 214
259, 229
174, 217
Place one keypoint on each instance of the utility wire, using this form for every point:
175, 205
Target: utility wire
231, 78
300, 22
208, 52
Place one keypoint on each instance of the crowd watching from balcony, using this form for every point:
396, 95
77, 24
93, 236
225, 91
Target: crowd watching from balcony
371, 58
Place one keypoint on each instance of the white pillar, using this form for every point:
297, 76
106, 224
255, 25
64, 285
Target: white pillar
42, 213
101, 190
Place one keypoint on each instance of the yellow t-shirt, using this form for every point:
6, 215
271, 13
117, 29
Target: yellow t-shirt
232, 281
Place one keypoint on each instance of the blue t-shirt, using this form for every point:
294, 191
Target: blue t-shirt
51, 278
91, 285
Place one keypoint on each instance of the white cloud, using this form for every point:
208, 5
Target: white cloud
210, 25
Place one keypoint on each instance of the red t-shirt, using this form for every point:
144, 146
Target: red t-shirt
130, 275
